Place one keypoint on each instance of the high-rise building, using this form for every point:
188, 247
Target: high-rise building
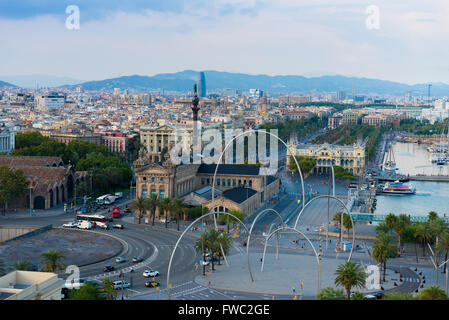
202, 85
147, 99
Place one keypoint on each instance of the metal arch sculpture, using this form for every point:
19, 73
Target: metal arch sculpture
317, 255
250, 132
344, 205
185, 231
265, 248
251, 230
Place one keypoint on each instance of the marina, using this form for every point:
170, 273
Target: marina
429, 181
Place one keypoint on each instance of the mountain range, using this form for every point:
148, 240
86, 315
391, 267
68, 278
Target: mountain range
216, 81
6, 84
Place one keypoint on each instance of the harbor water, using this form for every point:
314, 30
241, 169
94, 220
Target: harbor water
414, 159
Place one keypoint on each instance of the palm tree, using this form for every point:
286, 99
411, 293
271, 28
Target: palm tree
330, 293
423, 234
432, 216
23, 265
432, 293
349, 275
337, 220
399, 227
164, 206
140, 205
177, 208
109, 289
225, 242
383, 249
347, 223
2, 268
202, 246
153, 203
52, 259
390, 221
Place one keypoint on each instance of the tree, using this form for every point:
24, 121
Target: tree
153, 203
330, 293
383, 249
358, 296
2, 268
399, 227
390, 222
23, 265
202, 246
224, 242
347, 223
432, 216
433, 293
423, 234
52, 259
89, 291
165, 206
398, 296
140, 205
176, 207
224, 218
349, 275
83, 188
13, 184
109, 289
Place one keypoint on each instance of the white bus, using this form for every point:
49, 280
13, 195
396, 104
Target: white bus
90, 217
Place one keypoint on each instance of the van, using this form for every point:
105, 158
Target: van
85, 225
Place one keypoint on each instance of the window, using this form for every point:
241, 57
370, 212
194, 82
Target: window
144, 193
223, 182
240, 182
152, 179
250, 183
153, 191
144, 178
208, 181
202, 181
161, 179
218, 182
161, 194
229, 182
233, 182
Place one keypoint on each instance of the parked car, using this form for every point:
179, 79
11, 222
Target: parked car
151, 284
108, 268
102, 225
85, 225
150, 273
121, 284
120, 260
127, 210
72, 224
117, 226
137, 259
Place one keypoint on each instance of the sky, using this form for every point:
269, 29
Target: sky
273, 37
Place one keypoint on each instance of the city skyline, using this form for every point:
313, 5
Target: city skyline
254, 37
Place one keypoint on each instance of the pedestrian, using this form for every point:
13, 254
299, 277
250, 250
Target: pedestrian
293, 290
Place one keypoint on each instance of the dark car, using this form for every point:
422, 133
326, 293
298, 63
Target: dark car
127, 210
137, 259
151, 284
108, 268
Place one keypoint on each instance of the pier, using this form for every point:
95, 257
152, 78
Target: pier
378, 217
430, 178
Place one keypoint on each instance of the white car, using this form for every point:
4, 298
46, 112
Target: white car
121, 284
71, 224
102, 225
85, 225
150, 273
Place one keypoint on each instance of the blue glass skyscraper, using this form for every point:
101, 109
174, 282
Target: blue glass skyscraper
202, 85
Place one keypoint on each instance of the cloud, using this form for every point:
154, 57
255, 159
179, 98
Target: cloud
259, 36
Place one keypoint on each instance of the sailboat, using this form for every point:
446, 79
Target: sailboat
390, 162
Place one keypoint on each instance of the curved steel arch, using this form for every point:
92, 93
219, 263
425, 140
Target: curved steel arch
247, 133
252, 226
185, 231
317, 255
341, 227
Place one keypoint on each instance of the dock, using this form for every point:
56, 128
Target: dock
430, 178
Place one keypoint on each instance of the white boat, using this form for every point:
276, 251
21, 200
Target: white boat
397, 188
